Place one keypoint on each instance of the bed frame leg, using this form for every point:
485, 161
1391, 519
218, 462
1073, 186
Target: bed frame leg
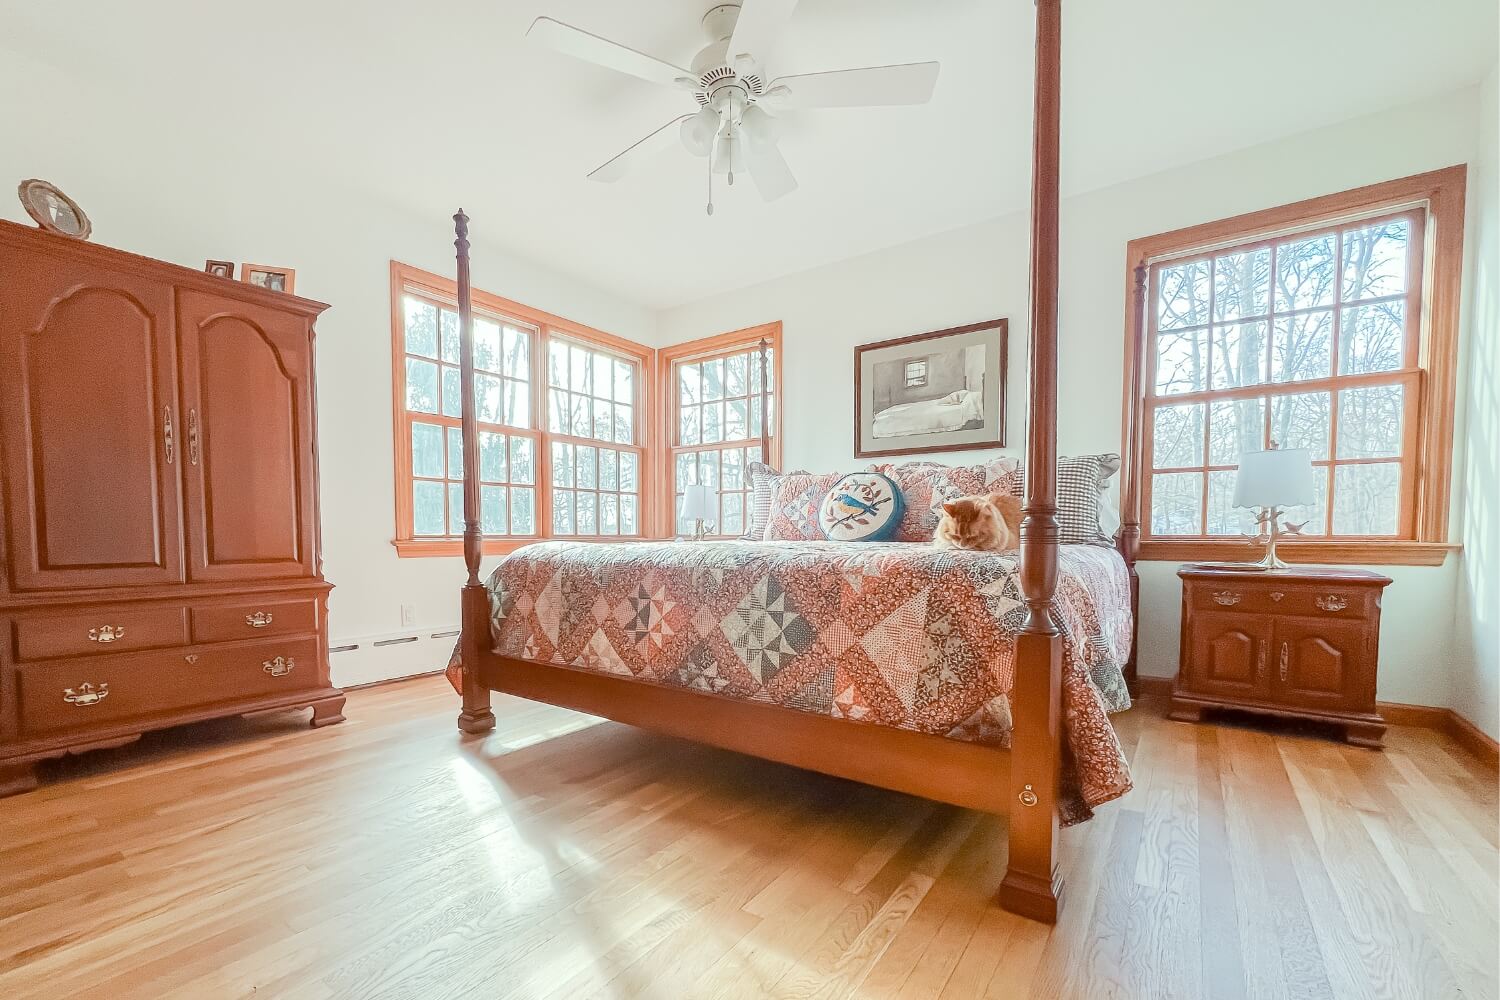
476, 717
1033, 884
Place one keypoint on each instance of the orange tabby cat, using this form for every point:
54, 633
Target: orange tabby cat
985, 523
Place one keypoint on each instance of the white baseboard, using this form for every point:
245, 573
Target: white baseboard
369, 659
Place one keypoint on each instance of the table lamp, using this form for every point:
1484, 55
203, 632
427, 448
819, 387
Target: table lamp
1272, 480
699, 504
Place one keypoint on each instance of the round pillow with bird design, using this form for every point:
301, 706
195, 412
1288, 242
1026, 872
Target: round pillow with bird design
861, 507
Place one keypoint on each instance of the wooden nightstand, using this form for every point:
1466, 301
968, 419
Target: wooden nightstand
1301, 642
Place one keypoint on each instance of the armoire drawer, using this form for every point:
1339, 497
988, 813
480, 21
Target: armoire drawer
103, 630
251, 619
64, 694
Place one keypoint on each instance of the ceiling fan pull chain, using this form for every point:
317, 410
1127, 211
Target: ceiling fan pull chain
711, 178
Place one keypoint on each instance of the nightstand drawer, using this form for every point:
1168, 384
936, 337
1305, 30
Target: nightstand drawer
1270, 597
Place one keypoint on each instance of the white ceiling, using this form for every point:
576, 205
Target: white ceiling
428, 106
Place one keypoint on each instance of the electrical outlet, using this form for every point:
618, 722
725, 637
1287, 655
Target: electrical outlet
408, 614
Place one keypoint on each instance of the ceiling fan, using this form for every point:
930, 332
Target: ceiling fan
728, 79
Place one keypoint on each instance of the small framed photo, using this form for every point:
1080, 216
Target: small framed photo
220, 268
939, 391
277, 279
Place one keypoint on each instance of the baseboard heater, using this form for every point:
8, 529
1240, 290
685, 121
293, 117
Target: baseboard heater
370, 659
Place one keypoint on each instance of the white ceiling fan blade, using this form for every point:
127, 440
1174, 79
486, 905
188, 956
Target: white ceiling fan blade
589, 47
623, 163
872, 86
759, 26
768, 169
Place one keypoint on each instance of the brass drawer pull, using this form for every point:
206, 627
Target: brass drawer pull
1028, 796
1285, 652
168, 442
259, 620
86, 695
193, 435
280, 666
1333, 602
1227, 598
106, 633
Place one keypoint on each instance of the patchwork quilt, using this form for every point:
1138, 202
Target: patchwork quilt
885, 633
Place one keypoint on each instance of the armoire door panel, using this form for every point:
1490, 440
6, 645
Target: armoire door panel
248, 441
87, 395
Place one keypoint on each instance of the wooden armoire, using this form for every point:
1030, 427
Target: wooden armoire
159, 530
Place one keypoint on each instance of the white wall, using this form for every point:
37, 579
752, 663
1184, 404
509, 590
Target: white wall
979, 272
173, 196
1476, 660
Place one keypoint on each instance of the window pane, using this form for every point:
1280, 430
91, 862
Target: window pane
713, 422
584, 469
1183, 295
455, 509
1235, 426
1223, 517
708, 469
427, 508
517, 404
492, 510
755, 416
1375, 260
456, 453
522, 461
629, 472
421, 328
517, 353
624, 382
562, 512
1239, 354
736, 420
1177, 437
686, 473
486, 396
1372, 338
421, 386
609, 514
733, 468
492, 457
713, 379
604, 375
587, 510
1301, 421
624, 421
1304, 346
734, 514
752, 454
1176, 503
1370, 422
559, 412
583, 420
755, 367
562, 464
1312, 518
486, 345
581, 373
1304, 273
684, 526
523, 511
1242, 283
604, 420
452, 396
557, 364
427, 450
1182, 362
687, 424
609, 469
630, 522
737, 375
1365, 499
689, 384
451, 353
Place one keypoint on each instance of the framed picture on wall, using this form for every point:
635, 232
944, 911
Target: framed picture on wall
939, 391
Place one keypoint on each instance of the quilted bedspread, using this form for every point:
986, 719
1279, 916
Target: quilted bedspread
896, 634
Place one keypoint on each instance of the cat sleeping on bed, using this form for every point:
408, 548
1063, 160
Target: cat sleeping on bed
989, 523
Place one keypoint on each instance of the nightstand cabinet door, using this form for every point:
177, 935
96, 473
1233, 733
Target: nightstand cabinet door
1229, 655
1323, 664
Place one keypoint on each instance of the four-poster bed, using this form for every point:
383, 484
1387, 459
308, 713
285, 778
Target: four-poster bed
1021, 782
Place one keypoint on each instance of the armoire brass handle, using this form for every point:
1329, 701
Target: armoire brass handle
1285, 652
167, 442
86, 694
280, 666
193, 436
259, 620
106, 633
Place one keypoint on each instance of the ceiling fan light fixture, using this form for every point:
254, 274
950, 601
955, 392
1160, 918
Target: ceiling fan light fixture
760, 127
698, 131
729, 157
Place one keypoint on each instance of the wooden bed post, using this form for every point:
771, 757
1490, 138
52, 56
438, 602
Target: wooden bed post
1128, 540
476, 716
1032, 886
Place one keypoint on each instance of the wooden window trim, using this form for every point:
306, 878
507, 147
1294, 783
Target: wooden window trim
1442, 194
405, 278
707, 348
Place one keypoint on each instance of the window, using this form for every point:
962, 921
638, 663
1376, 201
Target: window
563, 461
1302, 328
722, 413
916, 374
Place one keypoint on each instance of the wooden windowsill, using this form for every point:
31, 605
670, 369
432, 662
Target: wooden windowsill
1359, 553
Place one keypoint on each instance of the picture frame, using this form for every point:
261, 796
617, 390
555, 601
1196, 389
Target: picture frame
276, 279
932, 392
220, 268
53, 210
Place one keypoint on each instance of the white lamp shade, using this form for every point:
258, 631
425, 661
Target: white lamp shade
699, 503
1280, 478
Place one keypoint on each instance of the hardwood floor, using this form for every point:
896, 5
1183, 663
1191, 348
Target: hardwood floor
389, 857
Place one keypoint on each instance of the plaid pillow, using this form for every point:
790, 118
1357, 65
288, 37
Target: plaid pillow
762, 486
795, 505
1082, 496
926, 486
